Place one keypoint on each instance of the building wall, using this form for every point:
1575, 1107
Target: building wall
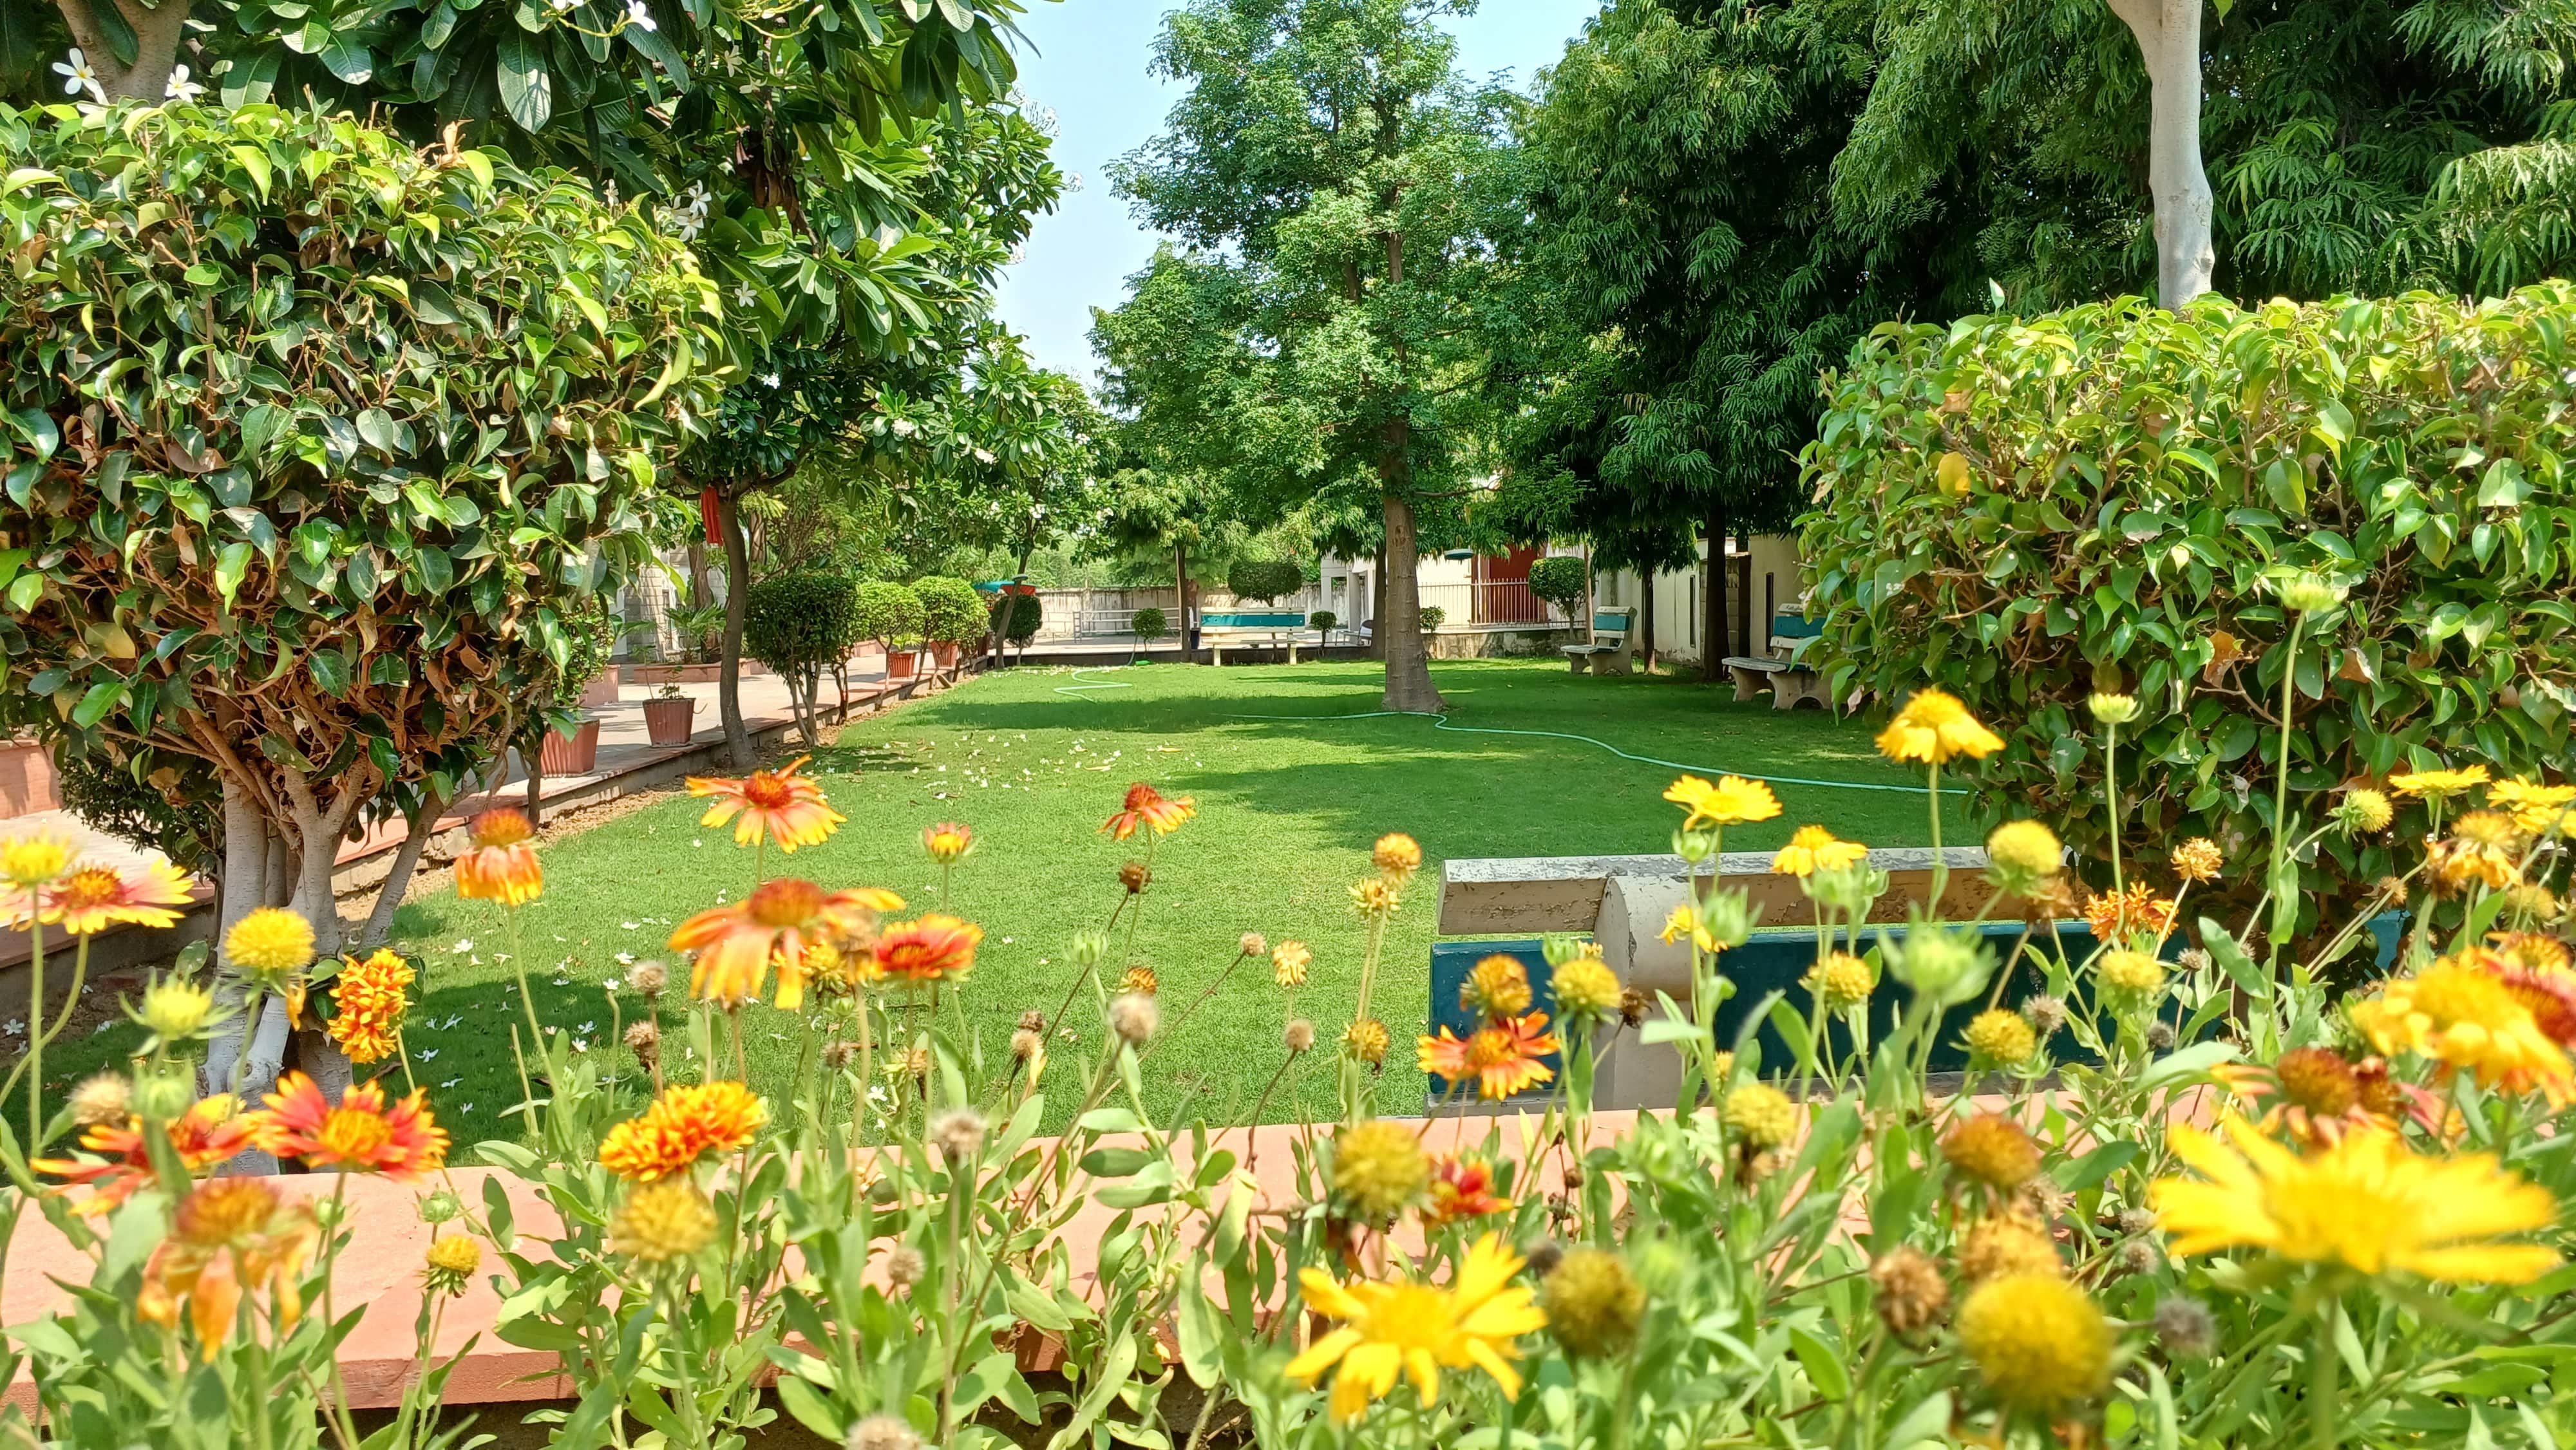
1678, 613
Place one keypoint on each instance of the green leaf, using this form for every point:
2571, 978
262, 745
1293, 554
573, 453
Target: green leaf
1823, 1365
1115, 1162
98, 703
527, 91
377, 427
230, 566
1927, 1423
254, 161
330, 671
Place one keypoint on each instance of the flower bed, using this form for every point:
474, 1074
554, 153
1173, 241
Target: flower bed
2201, 1201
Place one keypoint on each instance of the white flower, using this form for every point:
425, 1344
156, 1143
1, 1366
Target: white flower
743, 296
180, 88
983, 456
636, 14
904, 428
769, 380
78, 77
608, 194
1073, 183
462, 947
562, 6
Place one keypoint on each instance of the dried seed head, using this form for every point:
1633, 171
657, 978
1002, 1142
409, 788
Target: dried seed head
1300, 1035
1911, 1294
1134, 1017
839, 1053
103, 1100
2186, 1328
959, 1133
883, 1432
1027, 1043
1033, 1020
649, 978
904, 1267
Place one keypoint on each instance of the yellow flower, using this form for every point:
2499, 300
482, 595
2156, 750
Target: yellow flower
1733, 801
2007, 1243
2002, 1038
1934, 727
2036, 1340
1993, 1150
2439, 783
2467, 1020
36, 858
2364, 812
1685, 923
2130, 979
2362, 1201
270, 942
1586, 989
1594, 1304
1376, 898
175, 1009
2541, 810
2026, 848
1397, 856
2484, 848
2110, 709
1288, 962
1399, 1327
1840, 981
1366, 1041
1761, 1115
450, 1264
662, 1221
1380, 1168
1497, 986
1815, 849
2198, 859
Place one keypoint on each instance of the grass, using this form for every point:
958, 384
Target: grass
1035, 760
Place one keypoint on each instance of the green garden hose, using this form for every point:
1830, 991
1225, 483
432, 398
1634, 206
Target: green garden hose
1440, 721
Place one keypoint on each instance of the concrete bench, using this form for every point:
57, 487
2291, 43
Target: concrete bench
1612, 650
1271, 628
1789, 680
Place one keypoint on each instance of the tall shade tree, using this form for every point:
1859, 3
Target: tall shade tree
317, 447
1338, 190
1685, 278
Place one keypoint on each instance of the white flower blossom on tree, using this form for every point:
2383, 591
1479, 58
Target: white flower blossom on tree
180, 88
78, 77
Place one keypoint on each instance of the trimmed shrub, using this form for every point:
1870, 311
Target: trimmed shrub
1324, 619
1020, 625
1268, 580
887, 613
1433, 618
1150, 624
2026, 512
1560, 579
590, 637
801, 621
951, 610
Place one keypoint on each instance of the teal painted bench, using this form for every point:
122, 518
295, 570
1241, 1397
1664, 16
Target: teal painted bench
1612, 650
1789, 680
1243, 627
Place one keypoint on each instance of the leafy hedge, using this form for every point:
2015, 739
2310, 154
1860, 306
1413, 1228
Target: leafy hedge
1560, 579
951, 610
801, 621
1268, 580
2029, 511
1150, 624
888, 613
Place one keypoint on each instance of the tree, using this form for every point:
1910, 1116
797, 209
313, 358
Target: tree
800, 625
333, 553
1339, 189
1686, 280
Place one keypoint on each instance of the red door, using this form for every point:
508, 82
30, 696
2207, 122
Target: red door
1502, 588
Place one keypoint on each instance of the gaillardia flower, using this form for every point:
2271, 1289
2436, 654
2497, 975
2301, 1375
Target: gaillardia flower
500, 865
209, 1133
231, 1236
2363, 1201
2468, 1019
1732, 801
93, 898
1146, 808
735, 944
361, 1134
1400, 1328
687, 1122
777, 805
1934, 728
936, 948
947, 843
1815, 849
1501, 1058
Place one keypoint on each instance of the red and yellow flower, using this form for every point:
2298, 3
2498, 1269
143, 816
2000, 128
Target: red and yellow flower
737, 943
369, 996
2120, 918
92, 898
207, 1134
685, 1123
777, 805
936, 948
500, 865
231, 1237
948, 842
1501, 1057
2465, 1013
362, 1134
1462, 1187
1149, 809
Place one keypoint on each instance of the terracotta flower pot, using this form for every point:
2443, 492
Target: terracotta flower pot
902, 664
601, 691
945, 653
574, 754
670, 721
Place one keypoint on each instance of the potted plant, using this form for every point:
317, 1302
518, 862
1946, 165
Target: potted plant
893, 618
951, 613
670, 715
588, 643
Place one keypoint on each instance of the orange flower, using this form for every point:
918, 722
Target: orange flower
779, 805
231, 1235
401, 1143
937, 948
501, 866
948, 843
1397, 856
1502, 1057
1462, 1187
205, 1135
1147, 807
776, 923
93, 898
369, 998
686, 1123
2116, 919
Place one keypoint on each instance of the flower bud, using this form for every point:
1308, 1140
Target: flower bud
2110, 709
175, 1009
1945, 966
2310, 593
1088, 948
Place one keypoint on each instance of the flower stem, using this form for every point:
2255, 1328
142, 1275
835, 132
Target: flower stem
2281, 799
2323, 1431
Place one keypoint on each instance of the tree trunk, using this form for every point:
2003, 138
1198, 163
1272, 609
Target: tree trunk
1377, 608
737, 608
533, 756
2168, 33
1646, 622
379, 927
248, 855
1713, 648
699, 588
158, 30
1408, 656
1181, 599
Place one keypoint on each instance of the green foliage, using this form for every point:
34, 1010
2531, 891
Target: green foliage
1150, 625
2128, 484
887, 612
1560, 579
951, 610
590, 638
173, 810
1019, 616
1268, 580
1432, 618
1324, 619
447, 389
802, 620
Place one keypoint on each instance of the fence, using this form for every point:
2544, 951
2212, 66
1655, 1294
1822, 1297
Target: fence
1491, 602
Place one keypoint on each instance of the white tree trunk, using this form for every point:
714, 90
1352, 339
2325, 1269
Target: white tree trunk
158, 30
2168, 33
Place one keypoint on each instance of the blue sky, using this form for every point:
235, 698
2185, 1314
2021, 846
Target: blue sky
1089, 64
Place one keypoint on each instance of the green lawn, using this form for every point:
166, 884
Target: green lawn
1287, 811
